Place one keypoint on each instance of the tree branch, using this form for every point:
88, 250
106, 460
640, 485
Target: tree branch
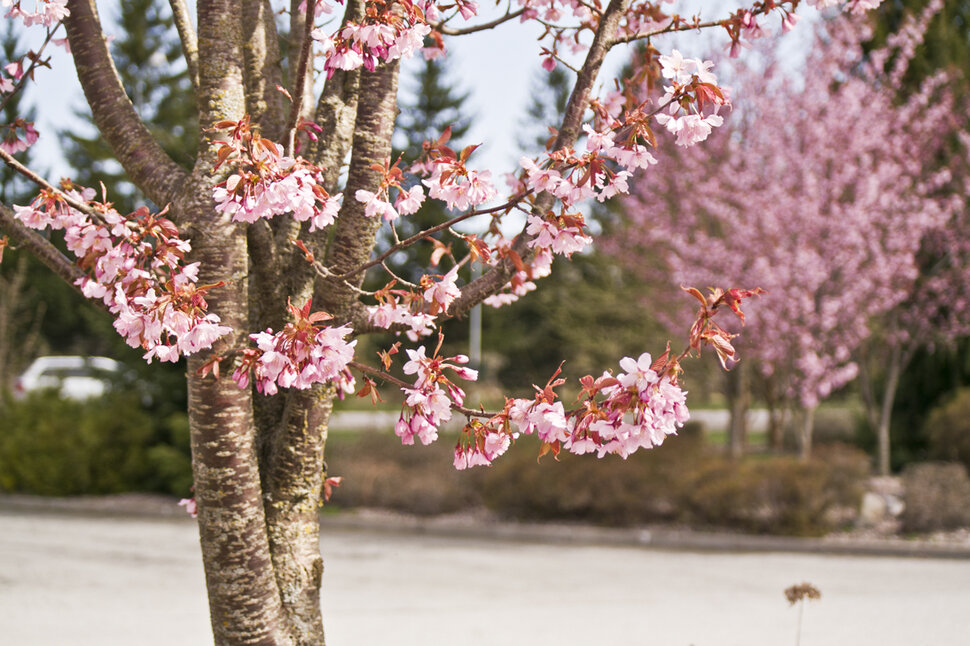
336, 112
669, 29
144, 161
43, 250
421, 235
264, 102
479, 289
447, 31
10, 161
190, 43
28, 74
298, 31
383, 376
300, 80
354, 233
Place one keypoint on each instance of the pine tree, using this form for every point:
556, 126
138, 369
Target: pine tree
148, 58
550, 91
14, 189
588, 303
431, 106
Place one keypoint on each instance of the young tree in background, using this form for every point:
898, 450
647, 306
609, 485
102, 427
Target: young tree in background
266, 297
942, 365
823, 192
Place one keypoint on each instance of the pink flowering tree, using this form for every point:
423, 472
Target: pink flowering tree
826, 191
253, 269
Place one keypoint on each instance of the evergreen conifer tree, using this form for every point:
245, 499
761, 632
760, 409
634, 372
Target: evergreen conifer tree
148, 58
431, 106
588, 303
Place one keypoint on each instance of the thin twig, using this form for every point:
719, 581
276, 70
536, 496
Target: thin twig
45, 251
9, 160
33, 64
190, 42
383, 376
668, 29
300, 81
515, 199
447, 31
400, 280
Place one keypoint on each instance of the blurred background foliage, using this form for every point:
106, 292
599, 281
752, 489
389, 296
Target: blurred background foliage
589, 311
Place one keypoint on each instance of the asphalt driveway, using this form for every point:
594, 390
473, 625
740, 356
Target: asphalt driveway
80, 579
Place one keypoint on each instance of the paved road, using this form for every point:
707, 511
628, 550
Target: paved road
75, 580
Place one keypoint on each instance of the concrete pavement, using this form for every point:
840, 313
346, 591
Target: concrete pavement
86, 579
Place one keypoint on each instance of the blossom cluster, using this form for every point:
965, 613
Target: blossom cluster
635, 409
268, 183
18, 136
416, 311
638, 408
428, 402
45, 12
388, 31
136, 269
684, 116
378, 203
522, 281
303, 353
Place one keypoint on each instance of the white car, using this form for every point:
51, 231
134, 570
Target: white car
72, 377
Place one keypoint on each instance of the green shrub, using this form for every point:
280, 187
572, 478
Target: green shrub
642, 488
937, 496
55, 447
681, 481
382, 473
947, 429
778, 495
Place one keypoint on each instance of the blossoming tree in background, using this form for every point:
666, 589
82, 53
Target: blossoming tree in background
253, 268
830, 194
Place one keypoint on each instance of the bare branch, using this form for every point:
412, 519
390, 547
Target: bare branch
298, 30
190, 43
264, 101
42, 249
300, 79
669, 29
479, 289
143, 159
421, 235
448, 31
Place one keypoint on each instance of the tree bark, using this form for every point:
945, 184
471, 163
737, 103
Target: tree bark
295, 471
886, 409
264, 103
244, 602
354, 233
739, 400
805, 435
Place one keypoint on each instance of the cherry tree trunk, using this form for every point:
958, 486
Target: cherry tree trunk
885, 411
805, 433
739, 400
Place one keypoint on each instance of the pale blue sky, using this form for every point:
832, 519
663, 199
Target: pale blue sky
498, 68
